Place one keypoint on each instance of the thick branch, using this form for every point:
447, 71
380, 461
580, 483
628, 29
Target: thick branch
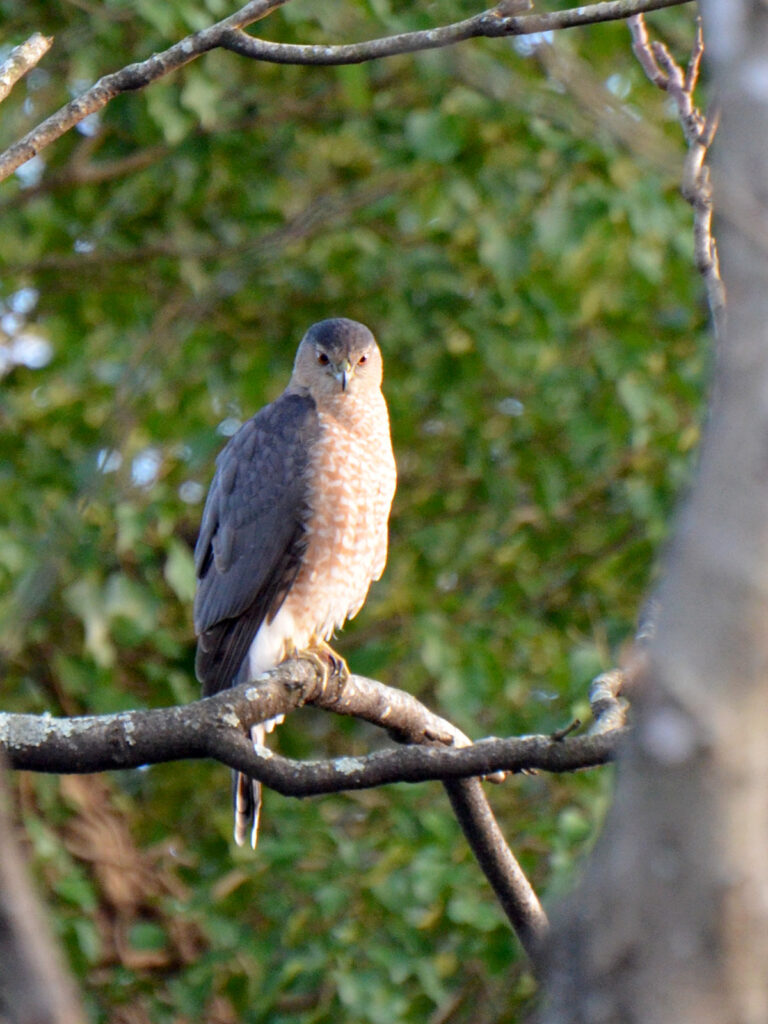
492, 23
670, 922
217, 728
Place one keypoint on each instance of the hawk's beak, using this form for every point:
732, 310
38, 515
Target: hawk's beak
343, 373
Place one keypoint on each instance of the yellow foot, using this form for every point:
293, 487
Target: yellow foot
331, 665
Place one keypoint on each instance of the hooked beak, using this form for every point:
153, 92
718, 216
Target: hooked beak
343, 373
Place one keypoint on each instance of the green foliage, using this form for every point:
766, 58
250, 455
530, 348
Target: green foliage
531, 284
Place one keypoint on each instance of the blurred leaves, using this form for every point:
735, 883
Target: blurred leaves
530, 280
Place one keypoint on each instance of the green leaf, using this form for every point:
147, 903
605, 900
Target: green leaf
163, 106
147, 936
435, 136
202, 96
85, 598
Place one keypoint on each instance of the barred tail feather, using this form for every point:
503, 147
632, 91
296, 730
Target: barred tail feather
247, 791
247, 805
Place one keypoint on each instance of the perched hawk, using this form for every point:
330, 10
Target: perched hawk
294, 529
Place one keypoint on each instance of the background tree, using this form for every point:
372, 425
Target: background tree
506, 218
671, 920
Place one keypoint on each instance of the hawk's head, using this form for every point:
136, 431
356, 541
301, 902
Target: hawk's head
338, 355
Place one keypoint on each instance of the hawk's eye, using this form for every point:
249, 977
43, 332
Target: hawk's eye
323, 359
361, 360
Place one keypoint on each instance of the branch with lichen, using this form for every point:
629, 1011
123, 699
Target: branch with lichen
218, 727
429, 748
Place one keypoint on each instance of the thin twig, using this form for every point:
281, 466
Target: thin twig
490, 24
493, 23
21, 60
699, 131
567, 730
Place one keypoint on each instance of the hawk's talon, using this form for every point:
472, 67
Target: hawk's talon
446, 738
331, 666
318, 663
339, 666
338, 669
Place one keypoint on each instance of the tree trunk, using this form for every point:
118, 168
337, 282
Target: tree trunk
34, 987
670, 922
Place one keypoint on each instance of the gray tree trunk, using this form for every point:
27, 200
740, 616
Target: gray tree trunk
34, 986
671, 921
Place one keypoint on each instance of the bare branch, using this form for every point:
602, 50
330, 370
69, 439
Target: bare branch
609, 709
21, 60
394, 709
134, 76
641, 45
691, 119
490, 24
493, 23
410, 764
512, 888
218, 727
699, 131
694, 63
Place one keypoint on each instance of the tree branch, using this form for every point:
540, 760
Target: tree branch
21, 60
490, 24
512, 888
699, 131
493, 23
218, 727
134, 76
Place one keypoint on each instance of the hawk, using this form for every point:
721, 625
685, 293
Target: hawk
294, 529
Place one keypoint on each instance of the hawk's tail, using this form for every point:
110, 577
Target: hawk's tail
247, 791
247, 800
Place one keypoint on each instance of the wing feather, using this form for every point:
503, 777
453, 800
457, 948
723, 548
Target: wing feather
252, 534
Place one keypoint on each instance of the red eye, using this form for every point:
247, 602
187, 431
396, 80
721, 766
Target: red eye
322, 358
361, 360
